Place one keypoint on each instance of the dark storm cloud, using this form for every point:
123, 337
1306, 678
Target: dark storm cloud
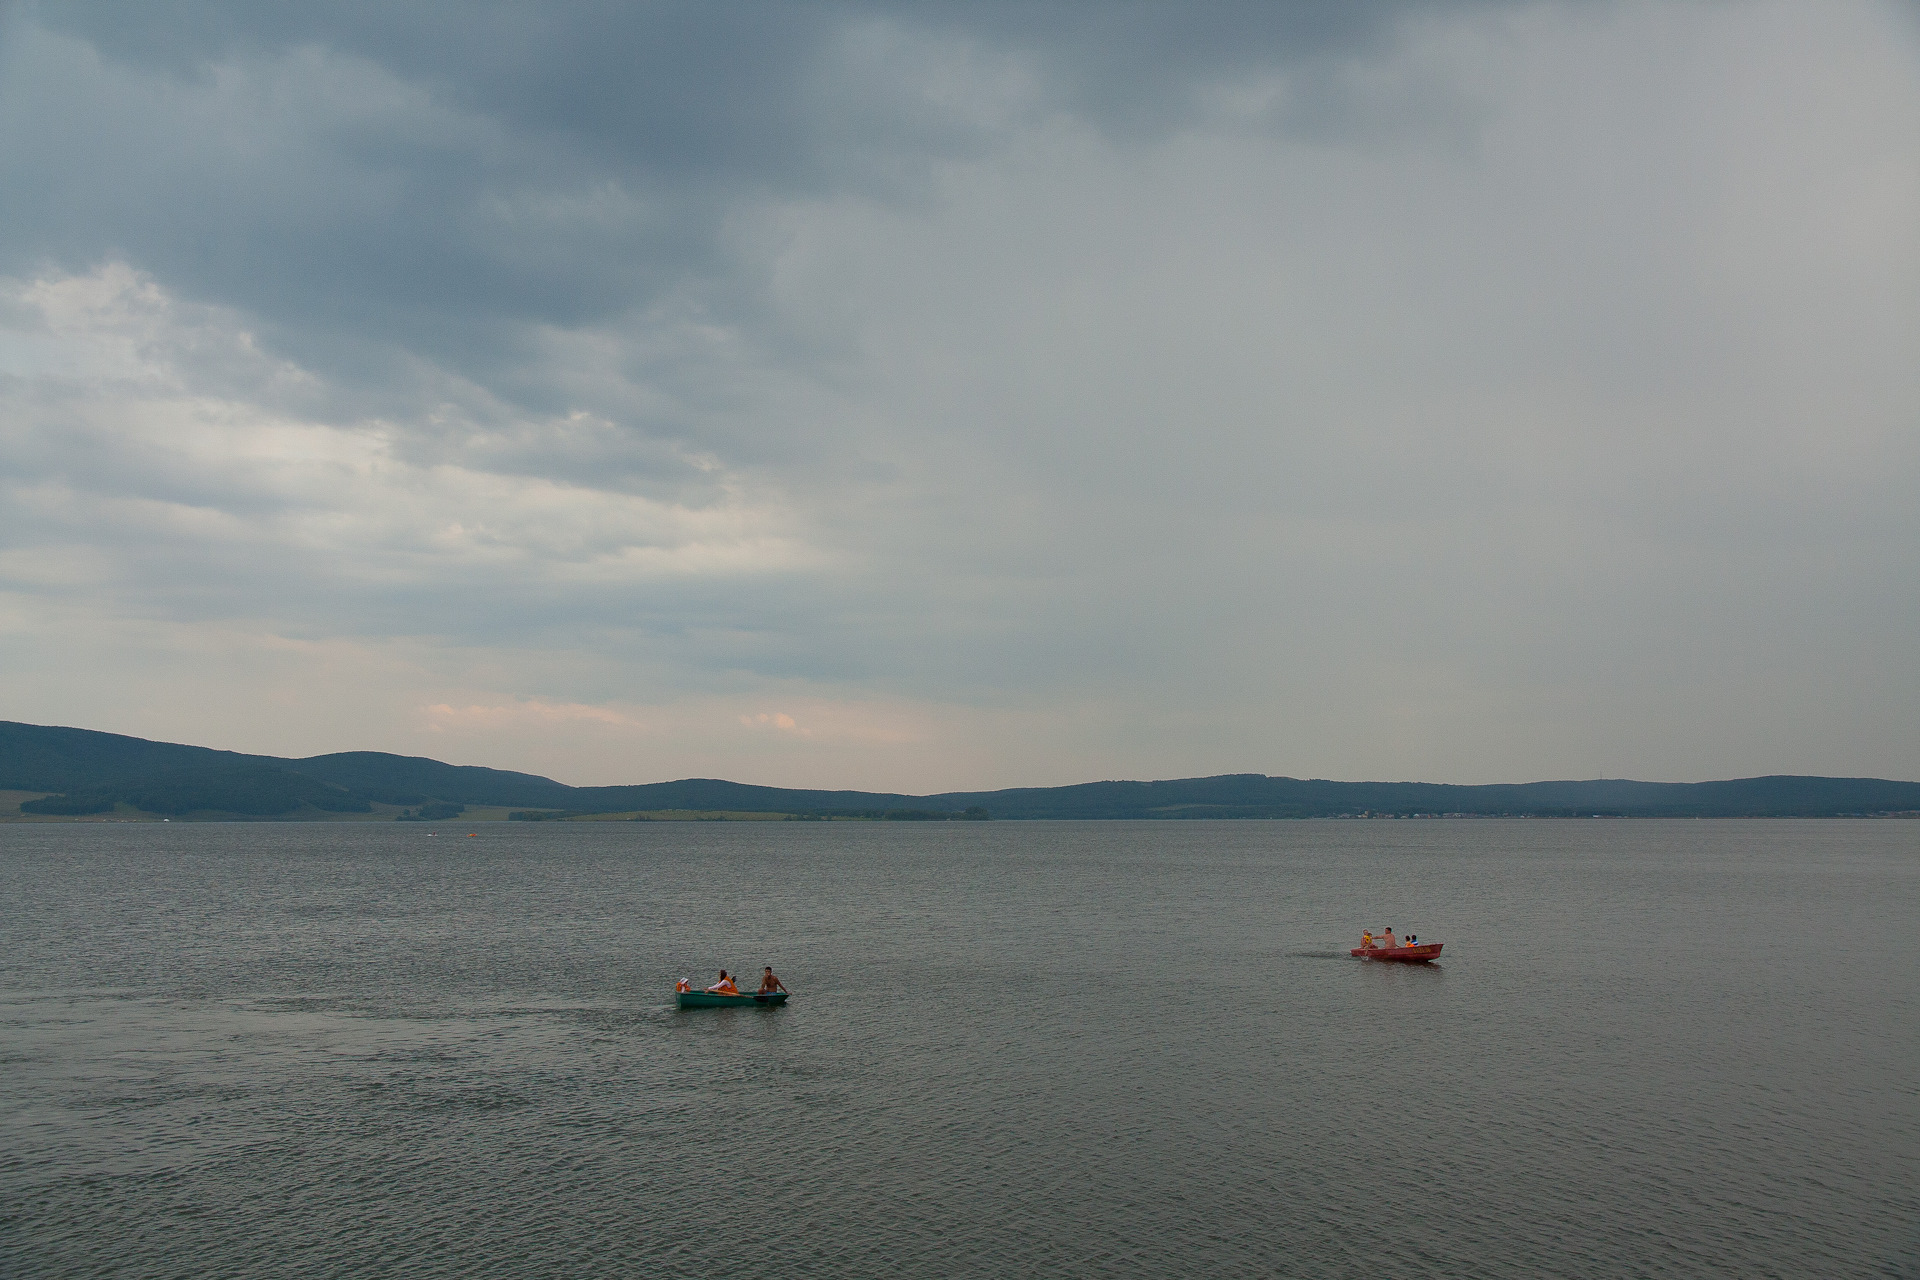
740, 89
362, 177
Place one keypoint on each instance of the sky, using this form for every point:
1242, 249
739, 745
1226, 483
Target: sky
932, 396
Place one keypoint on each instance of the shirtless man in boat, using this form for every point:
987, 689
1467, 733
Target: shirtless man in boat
769, 983
1390, 940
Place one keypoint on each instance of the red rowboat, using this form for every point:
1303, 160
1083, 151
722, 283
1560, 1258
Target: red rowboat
1412, 955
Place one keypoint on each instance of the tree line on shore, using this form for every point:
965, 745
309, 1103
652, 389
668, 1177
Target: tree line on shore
88, 772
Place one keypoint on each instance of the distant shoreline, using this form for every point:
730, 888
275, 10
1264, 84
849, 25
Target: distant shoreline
53, 773
10, 813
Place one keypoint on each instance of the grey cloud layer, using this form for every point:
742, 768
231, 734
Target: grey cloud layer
1306, 385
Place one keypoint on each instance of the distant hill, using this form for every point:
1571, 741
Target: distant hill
1253, 795
416, 780
40, 758
91, 772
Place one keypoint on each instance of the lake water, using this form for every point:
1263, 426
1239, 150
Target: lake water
1077, 1049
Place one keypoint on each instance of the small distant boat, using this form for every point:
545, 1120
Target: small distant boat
711, 1000
1411, 955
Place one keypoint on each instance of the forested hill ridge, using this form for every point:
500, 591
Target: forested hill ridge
55, 772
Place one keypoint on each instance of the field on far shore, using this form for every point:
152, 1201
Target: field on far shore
10, 802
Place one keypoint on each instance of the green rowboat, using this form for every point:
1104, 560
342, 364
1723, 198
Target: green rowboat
707, 1000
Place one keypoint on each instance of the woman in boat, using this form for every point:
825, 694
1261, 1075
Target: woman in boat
726, 986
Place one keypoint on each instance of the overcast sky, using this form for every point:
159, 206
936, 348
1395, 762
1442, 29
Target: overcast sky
927, 396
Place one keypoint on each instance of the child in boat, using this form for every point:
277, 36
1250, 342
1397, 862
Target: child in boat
685, 984
726, 986
1366, 940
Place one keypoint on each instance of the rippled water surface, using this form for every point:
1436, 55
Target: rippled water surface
1653, 1049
